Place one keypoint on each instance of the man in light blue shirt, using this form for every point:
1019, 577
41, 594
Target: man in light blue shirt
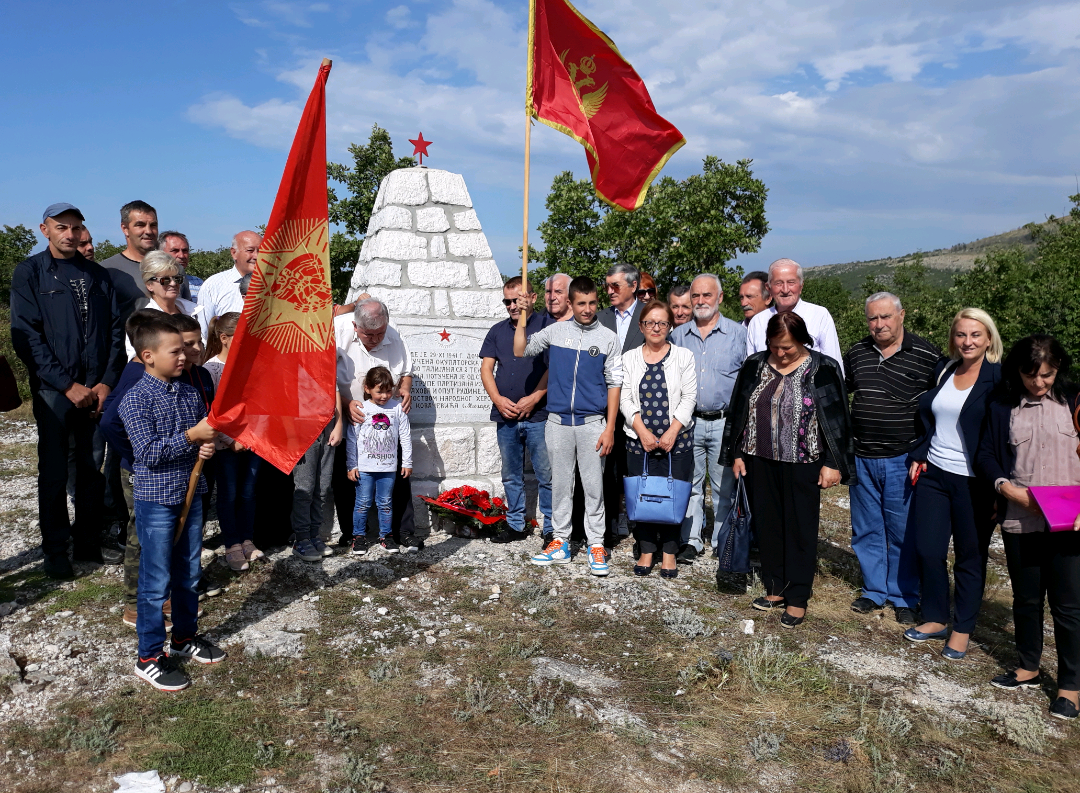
719, 348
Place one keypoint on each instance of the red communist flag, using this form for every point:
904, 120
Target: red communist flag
277, 391
579, 84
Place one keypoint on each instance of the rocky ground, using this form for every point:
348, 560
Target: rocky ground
462, 667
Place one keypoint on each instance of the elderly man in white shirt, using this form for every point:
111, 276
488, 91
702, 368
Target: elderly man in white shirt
366, 340
786, 285
220, 293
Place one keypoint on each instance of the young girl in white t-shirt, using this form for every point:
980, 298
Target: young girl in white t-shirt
371, 456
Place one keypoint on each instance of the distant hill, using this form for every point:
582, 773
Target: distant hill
943, 263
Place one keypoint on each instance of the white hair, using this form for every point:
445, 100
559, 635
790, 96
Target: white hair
551, 278
883, 296
371, 314
787, 263
714, 277
158, 263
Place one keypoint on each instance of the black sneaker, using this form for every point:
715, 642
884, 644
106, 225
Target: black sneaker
206, 588
501, 535
864, 605
1009, 682
162, 673
388, 544
360, 545
686, 555
89, 553
905, 616
764, 604
1063, 709
345, 540
411, 544
58, 566
198, 649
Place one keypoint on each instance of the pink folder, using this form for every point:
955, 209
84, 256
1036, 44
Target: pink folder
1060, 505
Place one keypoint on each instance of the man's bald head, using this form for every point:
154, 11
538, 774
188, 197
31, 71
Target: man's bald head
785, 283
245, 251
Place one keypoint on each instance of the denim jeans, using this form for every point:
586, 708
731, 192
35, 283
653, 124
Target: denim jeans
58, 420
514, 438
707, 439
236, 495
164, 566
880, 504
377, 487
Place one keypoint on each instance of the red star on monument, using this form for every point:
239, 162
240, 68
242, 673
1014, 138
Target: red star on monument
420, 147
444, 335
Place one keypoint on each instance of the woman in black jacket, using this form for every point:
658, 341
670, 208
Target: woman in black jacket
1030, 441
950, 501
789, 434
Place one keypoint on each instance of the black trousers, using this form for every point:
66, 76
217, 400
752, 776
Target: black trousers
1046, 566
404, 522
662, 536
785, 502
58, 420
950, 506
614, 471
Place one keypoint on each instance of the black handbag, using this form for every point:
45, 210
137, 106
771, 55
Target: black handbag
733, 539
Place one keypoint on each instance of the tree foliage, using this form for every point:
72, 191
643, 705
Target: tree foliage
683, 228
16, 242
371, 164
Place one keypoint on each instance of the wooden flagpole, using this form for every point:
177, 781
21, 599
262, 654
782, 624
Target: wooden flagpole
525, 222
193, 482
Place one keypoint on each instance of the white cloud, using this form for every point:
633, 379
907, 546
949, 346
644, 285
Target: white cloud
832, 100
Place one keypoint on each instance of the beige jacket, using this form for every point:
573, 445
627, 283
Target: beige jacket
681, 379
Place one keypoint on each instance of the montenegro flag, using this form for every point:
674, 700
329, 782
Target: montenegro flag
579, 84
277, 391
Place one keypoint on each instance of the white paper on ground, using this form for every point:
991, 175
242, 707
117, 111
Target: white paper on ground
139, 782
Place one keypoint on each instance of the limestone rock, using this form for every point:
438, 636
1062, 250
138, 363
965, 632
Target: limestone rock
442, 303
443, 451
488, 457
432, 219
437, 246
455, 274
446, 188
275, 644
408, 187
400, 245
403, 302
390, 218
477, 304
377, 273
487, 274
466, 221
474, 245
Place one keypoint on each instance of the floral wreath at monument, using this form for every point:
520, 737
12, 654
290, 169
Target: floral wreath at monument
475, 511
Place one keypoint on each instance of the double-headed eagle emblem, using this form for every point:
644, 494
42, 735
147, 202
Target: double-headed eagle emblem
584, 68
290, 289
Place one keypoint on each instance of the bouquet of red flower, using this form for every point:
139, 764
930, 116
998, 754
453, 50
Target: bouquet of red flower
471, 508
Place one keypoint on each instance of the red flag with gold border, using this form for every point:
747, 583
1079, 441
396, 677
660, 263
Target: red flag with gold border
579, 84
276, 394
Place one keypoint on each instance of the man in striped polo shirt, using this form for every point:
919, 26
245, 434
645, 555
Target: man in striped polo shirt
886, 373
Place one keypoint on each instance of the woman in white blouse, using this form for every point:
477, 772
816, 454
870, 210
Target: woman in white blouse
659, 392
163, 278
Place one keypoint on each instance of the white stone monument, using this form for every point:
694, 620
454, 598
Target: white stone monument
426, 257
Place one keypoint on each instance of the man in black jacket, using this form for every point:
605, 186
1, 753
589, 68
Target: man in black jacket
622, 316
66, 328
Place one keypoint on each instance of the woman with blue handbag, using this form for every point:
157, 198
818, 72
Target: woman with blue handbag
658, 397
789, 434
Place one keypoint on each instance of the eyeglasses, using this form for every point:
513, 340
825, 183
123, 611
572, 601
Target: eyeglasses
168, 280
612, 286
649, 292
509, 301
658, 324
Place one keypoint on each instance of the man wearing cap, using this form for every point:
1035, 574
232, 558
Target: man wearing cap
66, 328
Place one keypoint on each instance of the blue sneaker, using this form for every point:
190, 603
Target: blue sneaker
556, 552
306, 551
322, 547
598, 560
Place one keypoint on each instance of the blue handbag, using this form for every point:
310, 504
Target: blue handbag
733, 540
656, 498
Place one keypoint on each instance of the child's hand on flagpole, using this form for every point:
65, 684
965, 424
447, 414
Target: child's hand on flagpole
206, 450
202, 432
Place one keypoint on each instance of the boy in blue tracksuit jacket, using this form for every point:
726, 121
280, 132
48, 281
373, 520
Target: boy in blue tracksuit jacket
584, 380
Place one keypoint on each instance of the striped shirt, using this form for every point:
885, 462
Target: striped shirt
886, 394
156, 414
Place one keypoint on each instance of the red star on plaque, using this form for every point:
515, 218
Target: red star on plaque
420, 147
444, 335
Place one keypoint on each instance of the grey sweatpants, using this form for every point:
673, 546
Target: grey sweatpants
567, 444
311, 479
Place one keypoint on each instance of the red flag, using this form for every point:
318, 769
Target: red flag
277, 391
579, 84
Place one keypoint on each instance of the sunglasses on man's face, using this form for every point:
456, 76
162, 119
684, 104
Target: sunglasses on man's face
509, 301
643, 293
168, 280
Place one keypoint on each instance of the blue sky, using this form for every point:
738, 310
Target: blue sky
879, 129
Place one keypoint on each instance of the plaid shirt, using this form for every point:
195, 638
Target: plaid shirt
155, 415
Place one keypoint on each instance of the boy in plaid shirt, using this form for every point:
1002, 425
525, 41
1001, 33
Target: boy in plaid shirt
165, 421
